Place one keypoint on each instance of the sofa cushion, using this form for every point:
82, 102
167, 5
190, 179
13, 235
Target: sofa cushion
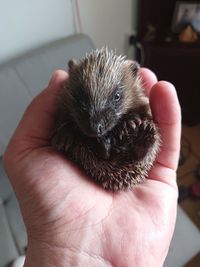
14, 98
5, 186
35, 69
8, 250
16, 223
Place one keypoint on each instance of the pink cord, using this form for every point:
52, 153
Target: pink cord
78, 16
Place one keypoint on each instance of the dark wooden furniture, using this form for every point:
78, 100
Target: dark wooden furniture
195, 262
179, 64
173, 61
157, 13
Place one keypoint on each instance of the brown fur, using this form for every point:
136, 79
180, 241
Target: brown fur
105, 123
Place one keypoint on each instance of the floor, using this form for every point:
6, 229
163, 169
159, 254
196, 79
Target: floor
187, 176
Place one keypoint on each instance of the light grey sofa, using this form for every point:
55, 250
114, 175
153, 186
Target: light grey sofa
20, 80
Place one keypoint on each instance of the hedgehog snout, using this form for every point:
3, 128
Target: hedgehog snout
102, 122
97, 127
98, 123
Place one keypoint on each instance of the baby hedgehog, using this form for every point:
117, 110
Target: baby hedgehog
105, 122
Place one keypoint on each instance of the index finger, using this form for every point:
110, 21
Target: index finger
167, 114
148, 79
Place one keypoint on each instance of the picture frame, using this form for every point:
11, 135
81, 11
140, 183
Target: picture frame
186, 13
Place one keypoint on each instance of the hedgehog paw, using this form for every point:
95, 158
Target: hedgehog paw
134, 123
147, 132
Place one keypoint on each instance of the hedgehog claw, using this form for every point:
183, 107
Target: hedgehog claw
132, 124
138, 121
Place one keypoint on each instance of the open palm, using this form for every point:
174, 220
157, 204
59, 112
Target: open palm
65, 212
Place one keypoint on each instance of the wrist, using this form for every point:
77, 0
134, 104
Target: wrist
43, 255
40, 254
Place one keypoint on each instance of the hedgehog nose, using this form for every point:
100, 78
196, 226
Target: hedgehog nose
96, 128
100, 128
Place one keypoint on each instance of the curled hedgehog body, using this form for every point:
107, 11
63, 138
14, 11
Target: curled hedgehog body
105, 122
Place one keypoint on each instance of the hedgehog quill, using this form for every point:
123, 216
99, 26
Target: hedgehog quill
105, 123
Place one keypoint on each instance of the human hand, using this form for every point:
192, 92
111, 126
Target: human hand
70, 220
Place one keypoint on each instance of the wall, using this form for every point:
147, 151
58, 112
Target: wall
27, 24
108, 21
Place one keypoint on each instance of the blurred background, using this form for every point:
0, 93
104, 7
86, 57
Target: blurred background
37, 37
27, 24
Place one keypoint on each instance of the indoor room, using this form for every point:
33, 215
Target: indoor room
99, 133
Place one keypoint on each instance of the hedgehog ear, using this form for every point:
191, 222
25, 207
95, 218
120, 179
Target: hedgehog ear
72, 64
134, 67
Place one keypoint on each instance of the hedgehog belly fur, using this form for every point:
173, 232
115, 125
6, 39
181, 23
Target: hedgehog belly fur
111, 174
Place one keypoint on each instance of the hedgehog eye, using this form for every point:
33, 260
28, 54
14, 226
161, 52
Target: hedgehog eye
117, 96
